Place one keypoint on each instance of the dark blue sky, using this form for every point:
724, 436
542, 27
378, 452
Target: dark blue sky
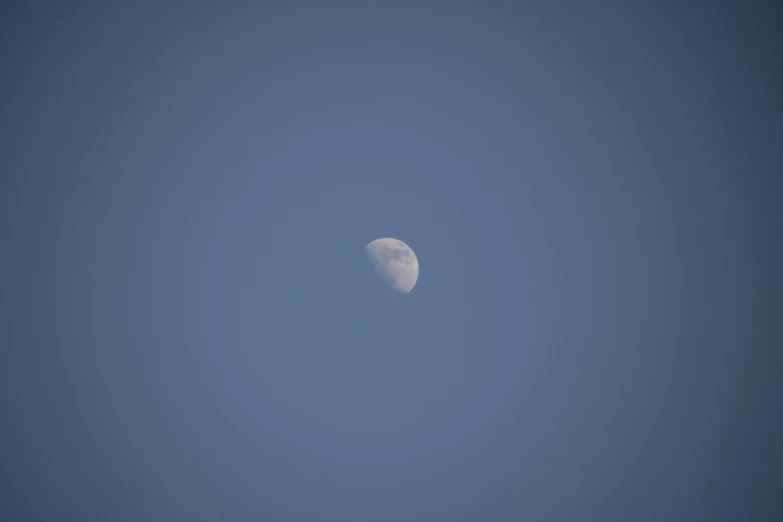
190, 330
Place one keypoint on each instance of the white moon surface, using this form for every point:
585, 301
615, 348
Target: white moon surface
395, 262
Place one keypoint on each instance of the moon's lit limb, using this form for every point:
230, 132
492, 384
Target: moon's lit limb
395, 261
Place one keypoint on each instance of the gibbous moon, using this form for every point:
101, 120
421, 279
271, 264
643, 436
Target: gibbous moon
395, 262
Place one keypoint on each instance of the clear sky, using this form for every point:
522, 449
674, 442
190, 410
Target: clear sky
190, 330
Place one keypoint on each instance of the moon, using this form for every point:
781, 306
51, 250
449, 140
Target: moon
395, 262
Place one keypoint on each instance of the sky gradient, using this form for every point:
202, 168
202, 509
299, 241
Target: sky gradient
191, 331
